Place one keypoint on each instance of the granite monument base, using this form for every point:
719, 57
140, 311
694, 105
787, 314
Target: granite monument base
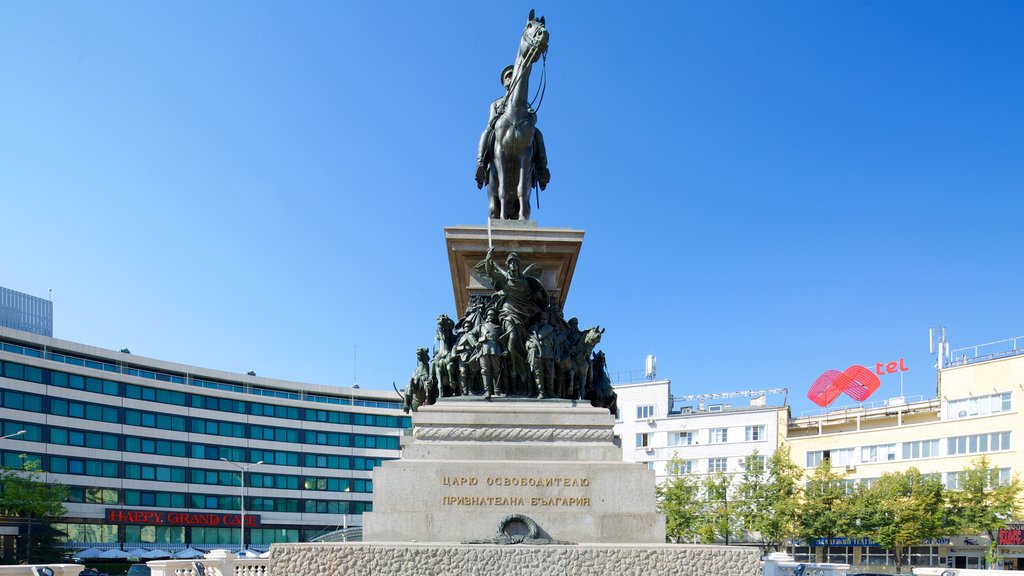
437, 559
472, 465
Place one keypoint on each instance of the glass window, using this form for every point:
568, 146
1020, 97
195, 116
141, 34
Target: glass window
680, 467
642, 440
719, 435
978, 406
680, 438
754, 433
879, 453
814, 459
717, 464
920, 449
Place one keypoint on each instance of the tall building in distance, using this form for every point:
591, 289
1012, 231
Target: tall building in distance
26, 313
151, 451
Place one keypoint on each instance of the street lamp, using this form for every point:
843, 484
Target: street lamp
241, 528
18, 433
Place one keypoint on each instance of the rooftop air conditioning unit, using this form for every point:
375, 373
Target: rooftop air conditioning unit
851, 468
650, 421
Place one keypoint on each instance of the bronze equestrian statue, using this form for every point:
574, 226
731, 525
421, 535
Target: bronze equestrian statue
511, 157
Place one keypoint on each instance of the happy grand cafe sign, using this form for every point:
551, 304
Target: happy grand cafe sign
170, 518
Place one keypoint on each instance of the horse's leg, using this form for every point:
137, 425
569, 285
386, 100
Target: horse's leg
504, 174
511, 190
525, 168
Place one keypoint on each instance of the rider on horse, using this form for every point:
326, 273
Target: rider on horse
485, 151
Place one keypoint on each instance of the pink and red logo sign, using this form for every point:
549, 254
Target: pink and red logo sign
857, 382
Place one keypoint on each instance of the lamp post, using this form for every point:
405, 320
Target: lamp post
241, 527
18, 433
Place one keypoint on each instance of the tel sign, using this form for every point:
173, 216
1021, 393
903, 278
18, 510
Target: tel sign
857, 382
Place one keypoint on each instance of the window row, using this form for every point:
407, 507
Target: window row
681, 467
164, 535
180, 475
253, 503
978, 406
27, 373
111, 497
954, 446
108, 441
715, 436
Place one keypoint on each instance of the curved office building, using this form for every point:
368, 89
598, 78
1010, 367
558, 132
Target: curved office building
151, 451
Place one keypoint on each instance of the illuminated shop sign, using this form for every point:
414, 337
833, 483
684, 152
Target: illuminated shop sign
1011, 537
845, 541
857, 382
168, 518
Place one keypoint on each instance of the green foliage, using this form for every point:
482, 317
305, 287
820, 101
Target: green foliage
769, 498
721, 519
982, 504
679, 500
899, 510
698, 508
826, 510
27, 496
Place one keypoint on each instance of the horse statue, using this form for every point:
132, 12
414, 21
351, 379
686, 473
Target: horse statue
600, 393
443, 365
418, 392
574, 367
508, 144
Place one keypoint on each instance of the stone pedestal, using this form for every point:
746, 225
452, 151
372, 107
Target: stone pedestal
383, 559
471, 464
554, 249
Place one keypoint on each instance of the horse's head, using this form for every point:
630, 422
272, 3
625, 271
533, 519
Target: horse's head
598, 361
445, 324
422, 356
593, 335
535, 38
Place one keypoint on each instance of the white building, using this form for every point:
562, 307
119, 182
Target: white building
705, 437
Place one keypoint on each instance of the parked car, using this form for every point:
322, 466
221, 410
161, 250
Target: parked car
138, 570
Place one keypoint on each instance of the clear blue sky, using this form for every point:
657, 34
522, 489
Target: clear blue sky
768, 189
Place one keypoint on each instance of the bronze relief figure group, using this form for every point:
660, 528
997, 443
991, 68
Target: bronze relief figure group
514, 342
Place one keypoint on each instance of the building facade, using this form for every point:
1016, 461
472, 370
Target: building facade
26, 313
151, 451
975, 413
702, 439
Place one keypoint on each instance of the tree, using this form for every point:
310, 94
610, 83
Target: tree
679, 500
701, 508
720, 520
769, 498
825, 513
983, 504
27, 496
899, 510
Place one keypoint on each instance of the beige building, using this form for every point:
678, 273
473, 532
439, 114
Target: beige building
976, 412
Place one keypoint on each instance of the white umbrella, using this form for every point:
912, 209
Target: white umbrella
188, 553
158, 553
113, 554
248, 554
138, 552
265, 554
88, 553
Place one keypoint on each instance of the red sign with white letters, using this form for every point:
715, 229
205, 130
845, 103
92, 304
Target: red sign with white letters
169, 518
